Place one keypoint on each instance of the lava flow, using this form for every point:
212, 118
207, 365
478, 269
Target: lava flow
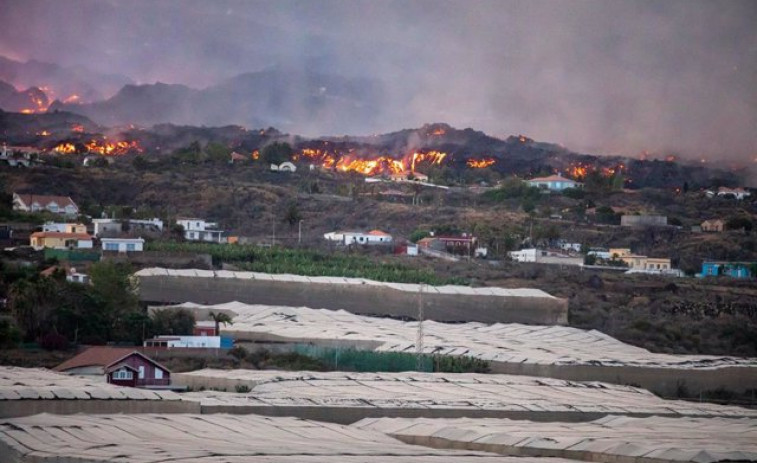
371, 165
480, 163
104, 148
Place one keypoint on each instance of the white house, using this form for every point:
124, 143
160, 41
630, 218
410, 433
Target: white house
285, 166
123, 244
36, 203
524, 255
9, 156
146, 224
200, 230
58, 240
347, 238
106, 226
408, 177
543, 256
184, 341
566, 246
553, 183
738, 193
62, 227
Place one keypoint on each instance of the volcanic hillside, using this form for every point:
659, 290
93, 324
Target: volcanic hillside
436, 150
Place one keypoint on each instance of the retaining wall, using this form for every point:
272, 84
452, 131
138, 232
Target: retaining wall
365, 299
26, 407
665, 382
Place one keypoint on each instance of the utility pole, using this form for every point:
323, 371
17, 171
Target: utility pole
419, 336
273, 230
299, 232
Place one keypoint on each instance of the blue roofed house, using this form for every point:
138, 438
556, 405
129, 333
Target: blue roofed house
554, 183
731, 269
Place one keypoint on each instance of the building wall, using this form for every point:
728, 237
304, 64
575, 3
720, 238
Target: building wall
122, 245
131, 382
75, 228
103, 228
524, 255
27, 407
643, 220
654, 263
359, 299
137, 361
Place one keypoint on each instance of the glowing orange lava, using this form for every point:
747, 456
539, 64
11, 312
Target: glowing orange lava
113, 148
480, 163
65, 148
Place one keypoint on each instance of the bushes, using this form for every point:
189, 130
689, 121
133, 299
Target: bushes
10, 335
305, 262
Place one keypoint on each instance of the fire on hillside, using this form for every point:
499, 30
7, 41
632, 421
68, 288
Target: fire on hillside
579, 170
371, 165
104, 147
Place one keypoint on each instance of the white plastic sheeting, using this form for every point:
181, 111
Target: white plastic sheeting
37, 383
507, 343
525, 395
658, 439
413, 288
181, 438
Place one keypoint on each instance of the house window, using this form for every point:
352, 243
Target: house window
141, 372
111, 246
122, 374
52, 207
131, 247
158, 373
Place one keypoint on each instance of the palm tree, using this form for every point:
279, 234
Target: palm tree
220, 317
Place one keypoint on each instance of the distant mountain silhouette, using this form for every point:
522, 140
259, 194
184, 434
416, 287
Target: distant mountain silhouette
61, 82
285, 98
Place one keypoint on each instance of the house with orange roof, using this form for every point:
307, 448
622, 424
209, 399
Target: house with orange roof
554, 183
347, 238
60, 240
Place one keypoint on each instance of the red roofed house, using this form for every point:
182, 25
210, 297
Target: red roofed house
553, 183
121, 366
36, 203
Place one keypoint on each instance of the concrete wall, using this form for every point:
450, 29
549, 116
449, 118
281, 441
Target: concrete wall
359, 299
14, 408
665, 382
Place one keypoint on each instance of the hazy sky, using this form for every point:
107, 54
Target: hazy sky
672, 76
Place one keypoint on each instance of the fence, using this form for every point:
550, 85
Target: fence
72, 255
366, 361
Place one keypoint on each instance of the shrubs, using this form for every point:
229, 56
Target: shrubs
10, 335
305, 262
242, 388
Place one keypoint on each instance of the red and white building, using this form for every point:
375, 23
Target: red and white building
118, 365
347, 238
137, 370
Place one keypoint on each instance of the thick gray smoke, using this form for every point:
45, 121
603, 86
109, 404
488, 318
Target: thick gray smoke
614, 77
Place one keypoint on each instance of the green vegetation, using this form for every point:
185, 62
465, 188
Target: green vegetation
514, 188
305, 262
276, 152
168, 321
54, 313
317, 358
